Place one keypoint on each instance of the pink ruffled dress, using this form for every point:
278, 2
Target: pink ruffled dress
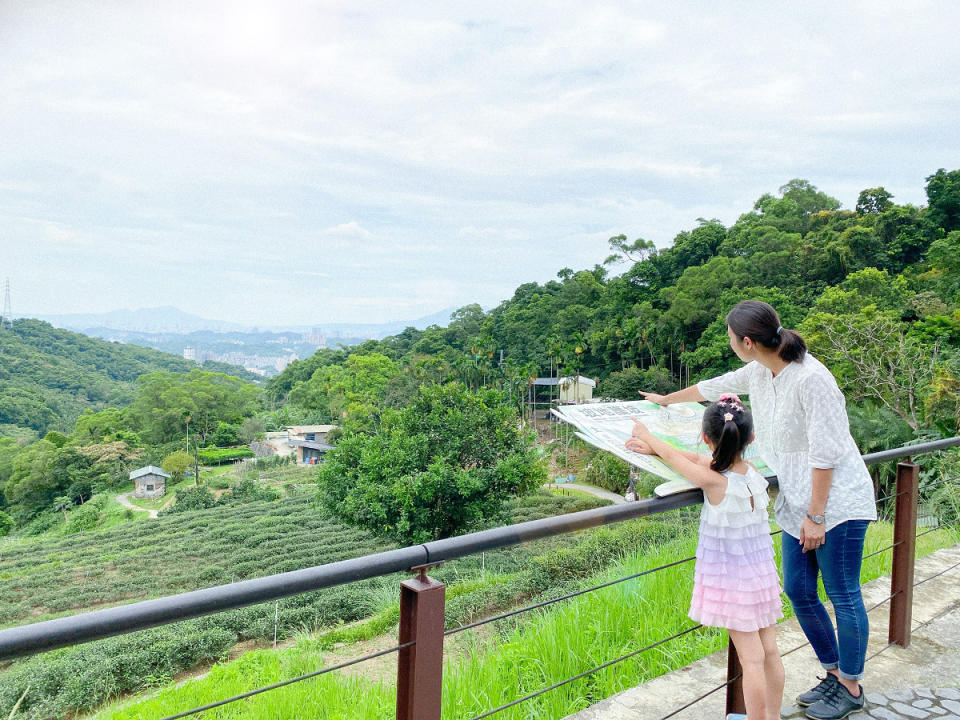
736, 585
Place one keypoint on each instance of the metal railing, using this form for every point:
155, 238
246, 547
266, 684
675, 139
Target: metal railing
421, 631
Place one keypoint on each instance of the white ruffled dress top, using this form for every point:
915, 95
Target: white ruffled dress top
736, 585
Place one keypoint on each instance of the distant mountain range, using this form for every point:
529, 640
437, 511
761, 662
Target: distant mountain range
169, 319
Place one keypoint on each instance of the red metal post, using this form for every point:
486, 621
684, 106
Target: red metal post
420, 666
904, 539
735, 702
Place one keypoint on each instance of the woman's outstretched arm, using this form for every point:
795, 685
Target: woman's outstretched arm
688, 394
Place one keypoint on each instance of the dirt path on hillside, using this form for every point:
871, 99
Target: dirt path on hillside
123, 499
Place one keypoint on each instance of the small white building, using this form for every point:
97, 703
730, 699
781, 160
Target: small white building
576, 390
149, 482
310, 442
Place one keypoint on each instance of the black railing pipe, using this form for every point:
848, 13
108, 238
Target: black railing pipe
75, 629
911, 450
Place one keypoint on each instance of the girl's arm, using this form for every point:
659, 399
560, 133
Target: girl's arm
641, 446
713, 484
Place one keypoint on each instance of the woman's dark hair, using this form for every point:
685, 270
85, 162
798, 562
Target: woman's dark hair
728, 437
760, 322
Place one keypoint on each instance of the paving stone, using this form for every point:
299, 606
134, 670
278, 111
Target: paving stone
925, 693
949, 693
901, 695
905, 709
923, 703
938, 710
882, 713
951, 705
876, 698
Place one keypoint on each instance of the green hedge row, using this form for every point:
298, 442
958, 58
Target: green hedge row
219, 456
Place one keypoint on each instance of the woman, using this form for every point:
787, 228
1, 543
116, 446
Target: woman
826, 495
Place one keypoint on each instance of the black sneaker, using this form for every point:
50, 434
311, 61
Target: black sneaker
814, 694
836, 704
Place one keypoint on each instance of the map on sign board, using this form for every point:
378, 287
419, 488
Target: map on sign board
608, 426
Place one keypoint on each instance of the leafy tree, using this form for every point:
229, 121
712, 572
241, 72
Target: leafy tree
943, 199
944, 261
874, 201
874, 359
177, 463
626, 384
80, 491
635, 251
6, 524
164, 401
225, 435
252, 428
442, 466
353, 392
942, 403
96, 427
58, 439
33, 484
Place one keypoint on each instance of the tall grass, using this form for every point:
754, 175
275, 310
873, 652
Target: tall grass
532, 652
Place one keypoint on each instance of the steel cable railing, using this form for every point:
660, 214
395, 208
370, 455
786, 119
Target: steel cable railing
545, 603
288, 681
607, 664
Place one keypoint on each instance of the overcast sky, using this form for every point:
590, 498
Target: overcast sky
363, 161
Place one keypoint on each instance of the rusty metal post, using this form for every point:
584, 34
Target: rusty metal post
420, 666
904, 552
735, 702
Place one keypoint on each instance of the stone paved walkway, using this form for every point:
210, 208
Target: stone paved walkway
915, 704
918, 682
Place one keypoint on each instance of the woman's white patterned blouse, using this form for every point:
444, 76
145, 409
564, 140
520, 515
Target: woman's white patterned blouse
800, 420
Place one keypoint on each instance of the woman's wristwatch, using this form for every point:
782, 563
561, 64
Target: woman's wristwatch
818, 519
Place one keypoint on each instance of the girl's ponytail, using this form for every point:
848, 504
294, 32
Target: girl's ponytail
727, 447
729, 427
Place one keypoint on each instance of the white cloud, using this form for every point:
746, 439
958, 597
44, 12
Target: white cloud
463, 143
350, 229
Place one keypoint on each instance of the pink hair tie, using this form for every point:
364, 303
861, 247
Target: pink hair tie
729, 397
728, 417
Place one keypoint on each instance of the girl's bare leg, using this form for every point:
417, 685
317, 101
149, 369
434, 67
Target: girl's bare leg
772, 671
751, 652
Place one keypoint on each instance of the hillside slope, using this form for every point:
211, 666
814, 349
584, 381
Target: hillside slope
49, 376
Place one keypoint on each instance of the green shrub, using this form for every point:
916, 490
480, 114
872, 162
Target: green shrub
944, 501
82, 518
6, 523
249, 490
605, 470
197, 498
226, 435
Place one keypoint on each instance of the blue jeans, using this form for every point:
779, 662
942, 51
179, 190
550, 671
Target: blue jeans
838, 562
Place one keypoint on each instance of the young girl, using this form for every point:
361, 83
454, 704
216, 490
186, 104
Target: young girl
735, 580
